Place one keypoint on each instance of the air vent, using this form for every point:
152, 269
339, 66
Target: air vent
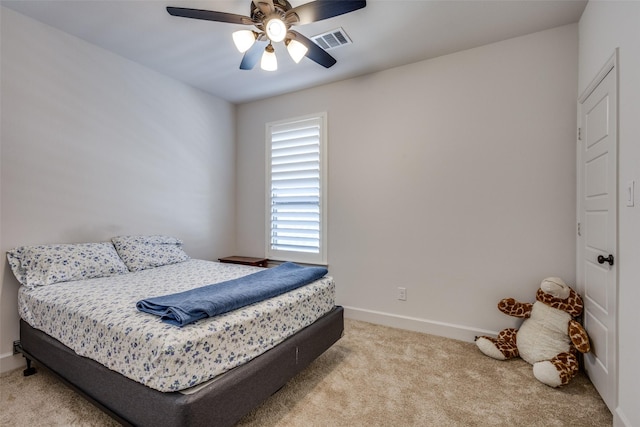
332, 39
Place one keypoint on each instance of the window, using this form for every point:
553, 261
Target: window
296, 190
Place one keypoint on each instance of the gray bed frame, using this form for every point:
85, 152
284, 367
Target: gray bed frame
220, 403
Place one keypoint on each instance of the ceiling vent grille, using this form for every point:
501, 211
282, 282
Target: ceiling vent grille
332, 39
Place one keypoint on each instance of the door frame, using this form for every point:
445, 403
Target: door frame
611, 66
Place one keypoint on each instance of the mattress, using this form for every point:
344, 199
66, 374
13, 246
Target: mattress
98, 319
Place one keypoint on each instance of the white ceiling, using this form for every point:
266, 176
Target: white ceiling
385, 34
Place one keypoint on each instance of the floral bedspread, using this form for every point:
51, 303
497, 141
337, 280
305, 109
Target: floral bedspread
98, 319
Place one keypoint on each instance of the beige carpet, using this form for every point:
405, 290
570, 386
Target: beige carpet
374, 376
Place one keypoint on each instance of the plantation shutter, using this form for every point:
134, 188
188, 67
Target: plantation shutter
295, 187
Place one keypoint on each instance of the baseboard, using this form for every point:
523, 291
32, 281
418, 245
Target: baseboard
10, 362
619, 420
448, 330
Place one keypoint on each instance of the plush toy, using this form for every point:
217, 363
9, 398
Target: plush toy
548, 337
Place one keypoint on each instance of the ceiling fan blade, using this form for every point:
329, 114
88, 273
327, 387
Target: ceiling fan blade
315, 52
321, 9
253, 55
209, 15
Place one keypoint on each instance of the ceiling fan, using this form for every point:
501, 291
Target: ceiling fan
273, 20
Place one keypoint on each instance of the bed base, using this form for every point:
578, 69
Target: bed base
17, 349
220, 403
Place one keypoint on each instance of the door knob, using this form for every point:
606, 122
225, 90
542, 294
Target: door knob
608, 259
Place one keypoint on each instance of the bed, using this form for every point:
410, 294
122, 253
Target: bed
144, 371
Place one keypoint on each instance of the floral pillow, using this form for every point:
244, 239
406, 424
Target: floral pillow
143, 252
48, 264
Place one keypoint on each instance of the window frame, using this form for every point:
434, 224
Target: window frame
319, 258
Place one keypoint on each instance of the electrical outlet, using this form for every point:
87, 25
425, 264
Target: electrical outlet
402, 294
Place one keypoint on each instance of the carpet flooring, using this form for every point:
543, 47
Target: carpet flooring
373, 376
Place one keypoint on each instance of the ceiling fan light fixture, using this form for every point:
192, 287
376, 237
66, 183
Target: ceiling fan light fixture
269, 61
244, 39
296, 50
272, 20
276, 29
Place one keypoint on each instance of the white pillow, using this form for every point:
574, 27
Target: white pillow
143, 252
48, 264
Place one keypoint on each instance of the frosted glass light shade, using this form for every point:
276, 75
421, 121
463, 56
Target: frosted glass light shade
244, 39
269, 62
296, 50
276, 30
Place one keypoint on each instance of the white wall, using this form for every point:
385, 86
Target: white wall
452, 177
605, 26
94, 146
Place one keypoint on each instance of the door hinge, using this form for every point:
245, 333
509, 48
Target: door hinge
579, 134
579, 230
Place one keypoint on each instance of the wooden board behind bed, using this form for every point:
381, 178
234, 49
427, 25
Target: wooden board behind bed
220, 403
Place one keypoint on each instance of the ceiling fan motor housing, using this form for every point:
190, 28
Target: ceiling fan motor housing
280, 8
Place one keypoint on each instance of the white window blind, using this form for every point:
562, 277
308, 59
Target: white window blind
296, 211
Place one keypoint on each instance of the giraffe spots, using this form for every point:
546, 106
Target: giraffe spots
567, 365
579, 337
572, 304
511, 307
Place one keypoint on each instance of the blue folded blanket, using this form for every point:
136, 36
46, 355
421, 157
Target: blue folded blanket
186, 307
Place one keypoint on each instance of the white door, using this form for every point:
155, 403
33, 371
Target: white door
597, 229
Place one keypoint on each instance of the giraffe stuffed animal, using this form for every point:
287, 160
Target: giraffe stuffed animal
549, 337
